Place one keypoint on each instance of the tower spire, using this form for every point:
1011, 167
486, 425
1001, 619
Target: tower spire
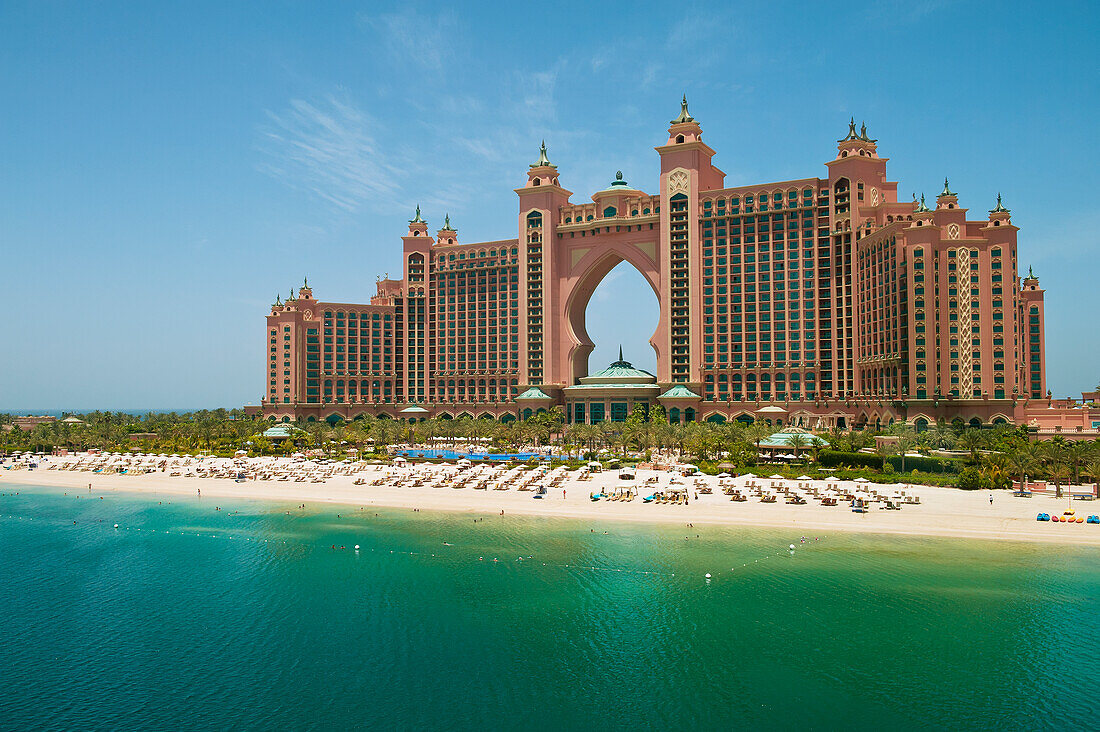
417, 219
543, 161
620, 351
946, 188
684, 116
1000, 208
852, 134
447, 223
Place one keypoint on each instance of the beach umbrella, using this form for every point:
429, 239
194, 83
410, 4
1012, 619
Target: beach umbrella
804, 477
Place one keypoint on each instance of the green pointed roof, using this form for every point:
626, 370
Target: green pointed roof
1000, 208
684, 116
679, 391
543, 161
533, 393
946, 189
619, 370
852, 134
447, 223
863, 133
418, 219
921, 207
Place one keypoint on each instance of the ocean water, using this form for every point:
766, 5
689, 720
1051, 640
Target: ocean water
189, 617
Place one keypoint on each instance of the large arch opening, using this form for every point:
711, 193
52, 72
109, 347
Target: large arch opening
620, 309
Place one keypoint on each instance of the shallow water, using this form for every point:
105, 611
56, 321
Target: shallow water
247, 617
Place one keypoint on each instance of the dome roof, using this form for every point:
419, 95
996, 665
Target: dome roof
620, 372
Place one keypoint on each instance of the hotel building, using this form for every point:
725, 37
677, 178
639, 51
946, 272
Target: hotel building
820, 302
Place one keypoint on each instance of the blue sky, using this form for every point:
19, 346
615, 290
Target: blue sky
168, 168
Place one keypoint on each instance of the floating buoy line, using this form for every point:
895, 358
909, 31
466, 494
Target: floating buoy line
708, 576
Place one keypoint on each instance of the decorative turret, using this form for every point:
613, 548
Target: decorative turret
305, 292
947, 197
684, 116
851, 131
542, 172
999, 215
1031, 282
684, 128
921, 207
417, 225
446, 235
858, 144
543, 161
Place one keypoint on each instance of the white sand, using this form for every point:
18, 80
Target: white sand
942, 511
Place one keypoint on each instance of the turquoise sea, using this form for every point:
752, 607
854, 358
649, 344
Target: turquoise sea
193, 618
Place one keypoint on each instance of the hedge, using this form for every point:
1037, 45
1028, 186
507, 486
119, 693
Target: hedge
833, 458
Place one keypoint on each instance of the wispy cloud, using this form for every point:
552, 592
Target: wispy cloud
412, 37
328, 147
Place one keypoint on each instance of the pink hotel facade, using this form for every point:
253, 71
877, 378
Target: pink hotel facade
821, 302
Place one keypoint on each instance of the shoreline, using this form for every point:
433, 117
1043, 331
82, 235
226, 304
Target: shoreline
943, 512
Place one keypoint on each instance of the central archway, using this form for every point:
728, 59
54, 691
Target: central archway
588, 271
622, 314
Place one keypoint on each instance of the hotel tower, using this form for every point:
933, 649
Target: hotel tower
820, 302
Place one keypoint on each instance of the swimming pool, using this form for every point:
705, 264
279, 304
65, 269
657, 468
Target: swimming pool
452, 455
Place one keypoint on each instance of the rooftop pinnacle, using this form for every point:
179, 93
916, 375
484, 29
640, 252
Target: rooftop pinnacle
946, 189
852, 134
684, 116
543, 161
1000, 208
417, 219
447, 223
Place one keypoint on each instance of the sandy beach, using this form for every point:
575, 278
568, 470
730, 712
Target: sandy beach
943, 512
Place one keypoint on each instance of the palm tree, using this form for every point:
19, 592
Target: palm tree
1060, 472
1024, 460
1078, 453
973, 440
1093, 470
797, 442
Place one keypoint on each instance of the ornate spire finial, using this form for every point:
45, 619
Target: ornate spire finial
921, 207
305, 282
863, 131
618, 175
447, 223
851, 131
946, 188
278, 299
418, 219
684, 116
1030, 274
291, 295
620, 351
1000, 208
543, 160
